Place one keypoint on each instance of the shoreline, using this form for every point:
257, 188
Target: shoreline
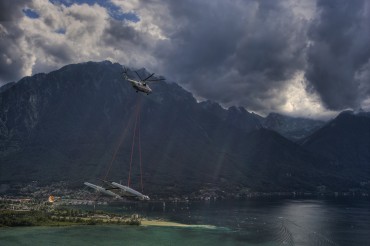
165, 223
65, 217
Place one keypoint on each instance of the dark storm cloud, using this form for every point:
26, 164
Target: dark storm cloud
337, 58
12, 59
11, 10
59, 52
235, 52
134, 44
117, 34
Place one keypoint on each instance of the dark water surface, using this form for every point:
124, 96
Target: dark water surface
281, 222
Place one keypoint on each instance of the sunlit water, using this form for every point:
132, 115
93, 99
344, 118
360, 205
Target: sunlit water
283, 222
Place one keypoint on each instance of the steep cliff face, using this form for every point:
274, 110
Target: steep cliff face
66, 125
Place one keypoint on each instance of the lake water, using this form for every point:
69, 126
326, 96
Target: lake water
281, 222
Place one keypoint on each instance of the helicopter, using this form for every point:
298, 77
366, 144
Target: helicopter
141, 84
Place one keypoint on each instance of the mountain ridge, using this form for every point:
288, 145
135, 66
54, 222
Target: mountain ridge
293, 128
66, 125
346, 141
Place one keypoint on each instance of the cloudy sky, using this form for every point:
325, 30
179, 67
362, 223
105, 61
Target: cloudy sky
299, 57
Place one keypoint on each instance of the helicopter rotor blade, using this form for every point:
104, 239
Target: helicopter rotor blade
148, 77
153, 80
138, 76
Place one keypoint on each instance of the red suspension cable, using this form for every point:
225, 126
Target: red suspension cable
133, 144
137, 127
141, 170
124, 133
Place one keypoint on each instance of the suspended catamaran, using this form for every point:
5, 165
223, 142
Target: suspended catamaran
118, 191
114, 189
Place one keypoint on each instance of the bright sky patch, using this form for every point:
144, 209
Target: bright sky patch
30, 13
61, 31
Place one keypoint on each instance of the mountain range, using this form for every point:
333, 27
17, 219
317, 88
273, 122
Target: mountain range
294, 128
77, 123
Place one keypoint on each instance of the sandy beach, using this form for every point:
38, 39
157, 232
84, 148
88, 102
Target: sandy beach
148, 222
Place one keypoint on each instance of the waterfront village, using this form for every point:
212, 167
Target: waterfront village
55, 205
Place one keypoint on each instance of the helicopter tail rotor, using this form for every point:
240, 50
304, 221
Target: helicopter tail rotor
125, 71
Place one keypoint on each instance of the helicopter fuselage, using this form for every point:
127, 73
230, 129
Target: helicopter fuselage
139, 86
